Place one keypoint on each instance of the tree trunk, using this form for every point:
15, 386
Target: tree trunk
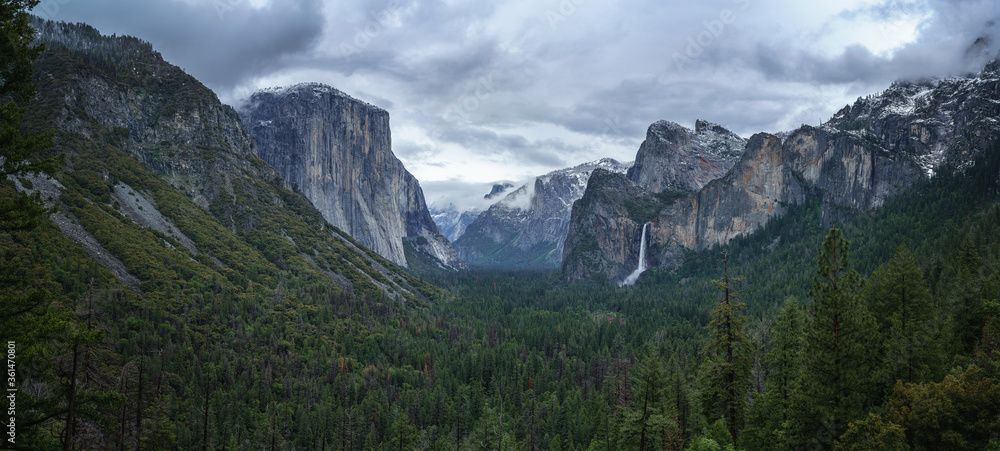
70, 416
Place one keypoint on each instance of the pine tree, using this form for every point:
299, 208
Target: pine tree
650, 382
772, 412
836, 354
968, 319
728, 356
19, 153
901, 304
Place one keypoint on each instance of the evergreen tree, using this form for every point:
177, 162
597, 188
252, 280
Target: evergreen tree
771, 414
968, 318
20, 153
648, 420
835, 353
901, 303
728, 356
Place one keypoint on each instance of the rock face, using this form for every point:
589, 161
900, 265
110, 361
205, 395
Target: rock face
165, 118
337, 150
865, 154
775, 174
674, 158
528, 226
604, 234
498, 190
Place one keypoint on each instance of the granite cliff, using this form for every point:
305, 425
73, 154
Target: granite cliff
676, 158
673, 162
338, 151
869, 151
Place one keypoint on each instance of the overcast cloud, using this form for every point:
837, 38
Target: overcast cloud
505, 90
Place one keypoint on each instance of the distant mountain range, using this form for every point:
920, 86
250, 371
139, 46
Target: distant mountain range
695, 188
527, 226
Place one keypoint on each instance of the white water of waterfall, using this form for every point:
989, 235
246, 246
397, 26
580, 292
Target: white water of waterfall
641, 267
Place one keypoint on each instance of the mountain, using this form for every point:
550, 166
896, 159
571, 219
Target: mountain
154, 158
452, 220
672, 162
528, 226
498, 190
868, 152
338, 151
674, 158
168, 236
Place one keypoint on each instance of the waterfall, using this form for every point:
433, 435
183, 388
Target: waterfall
641, 267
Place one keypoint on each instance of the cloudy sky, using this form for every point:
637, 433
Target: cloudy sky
508, 89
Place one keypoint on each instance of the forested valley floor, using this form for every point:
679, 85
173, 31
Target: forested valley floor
880, 334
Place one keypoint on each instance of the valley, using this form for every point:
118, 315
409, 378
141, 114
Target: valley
179, 273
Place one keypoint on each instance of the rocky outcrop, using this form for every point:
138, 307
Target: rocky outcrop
452, 220
528, 227
868, 152
774, 175
498, 190
338, 151
676, 158
604, 234
163, 117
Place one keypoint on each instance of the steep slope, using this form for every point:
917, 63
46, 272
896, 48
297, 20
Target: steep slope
528, 226
338, 151
175, 254
868, 152
152, 149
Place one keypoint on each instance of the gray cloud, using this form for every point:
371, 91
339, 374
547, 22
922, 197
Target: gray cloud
222, 43
491, 90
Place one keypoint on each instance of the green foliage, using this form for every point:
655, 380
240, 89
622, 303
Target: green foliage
901, 303
872, 434
770, 417
21, 154
836, 351
276, 331
960, 412
726, 368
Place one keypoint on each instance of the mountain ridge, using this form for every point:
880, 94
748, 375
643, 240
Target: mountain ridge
869, 151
